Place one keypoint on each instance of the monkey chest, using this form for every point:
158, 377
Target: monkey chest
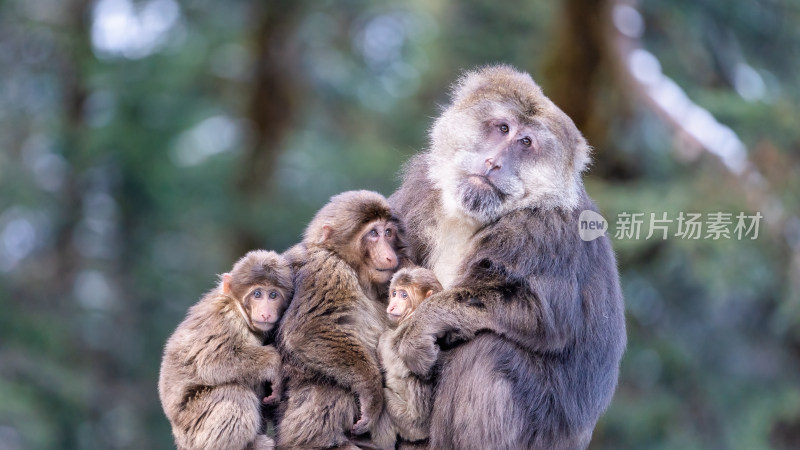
452, 244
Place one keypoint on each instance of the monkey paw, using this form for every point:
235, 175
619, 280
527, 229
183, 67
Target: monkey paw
263, 442
370, 401
362, 425
273, 399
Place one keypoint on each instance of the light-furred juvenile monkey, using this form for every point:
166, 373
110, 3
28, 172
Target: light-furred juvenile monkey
408, 397
408, 288
330, 332
215, 364
492, 207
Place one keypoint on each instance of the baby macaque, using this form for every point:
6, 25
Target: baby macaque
216, 363
408, 398
409, 287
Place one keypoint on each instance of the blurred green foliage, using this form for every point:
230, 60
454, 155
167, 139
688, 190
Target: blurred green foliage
146, 144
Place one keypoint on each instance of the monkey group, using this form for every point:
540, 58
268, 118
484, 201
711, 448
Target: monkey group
463, 312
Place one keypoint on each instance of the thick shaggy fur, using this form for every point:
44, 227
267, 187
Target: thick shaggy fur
330, 332
215, 364
408, 397
539, 312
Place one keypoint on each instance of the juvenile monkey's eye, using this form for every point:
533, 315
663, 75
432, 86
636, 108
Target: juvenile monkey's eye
273, 294
394, 293
503, 128
257, 293
373, 233
404, 294
388, 232
526, 141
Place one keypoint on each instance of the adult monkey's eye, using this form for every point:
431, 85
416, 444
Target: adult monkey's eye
526, 141
273, 294
257, 293
503, 128
373, 232
388, 232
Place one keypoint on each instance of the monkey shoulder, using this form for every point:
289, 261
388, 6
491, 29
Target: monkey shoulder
296, 256
416, 203
415, 183
323, 266
210, 324
326, 280
216, 315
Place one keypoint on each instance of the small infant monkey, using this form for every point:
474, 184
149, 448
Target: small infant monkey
215, 364
408, 398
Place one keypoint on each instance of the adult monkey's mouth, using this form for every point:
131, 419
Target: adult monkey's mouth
479, 181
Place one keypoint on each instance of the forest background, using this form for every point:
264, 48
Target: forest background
147, 144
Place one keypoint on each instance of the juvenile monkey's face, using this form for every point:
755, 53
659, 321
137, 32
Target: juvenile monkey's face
265, 305
379, 243
401, 301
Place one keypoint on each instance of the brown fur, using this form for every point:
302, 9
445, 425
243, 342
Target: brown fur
215, 364
492, 208
408, 397
330, 332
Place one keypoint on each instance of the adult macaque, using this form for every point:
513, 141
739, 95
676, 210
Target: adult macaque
215, 364
492, 208
408, 397
330, 332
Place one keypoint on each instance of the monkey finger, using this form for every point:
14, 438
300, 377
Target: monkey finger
362, 425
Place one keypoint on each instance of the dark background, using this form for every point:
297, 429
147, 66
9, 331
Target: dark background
145, 145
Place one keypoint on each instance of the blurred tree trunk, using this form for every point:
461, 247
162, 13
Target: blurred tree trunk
76, 49
581, 77
271, 108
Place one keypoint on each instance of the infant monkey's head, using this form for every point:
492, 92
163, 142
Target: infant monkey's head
409, 287
261, 285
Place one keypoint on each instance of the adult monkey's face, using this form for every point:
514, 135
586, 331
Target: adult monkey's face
503, 145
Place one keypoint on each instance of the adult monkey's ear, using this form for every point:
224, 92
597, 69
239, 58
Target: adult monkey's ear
326, 234
429, 293
226, 283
